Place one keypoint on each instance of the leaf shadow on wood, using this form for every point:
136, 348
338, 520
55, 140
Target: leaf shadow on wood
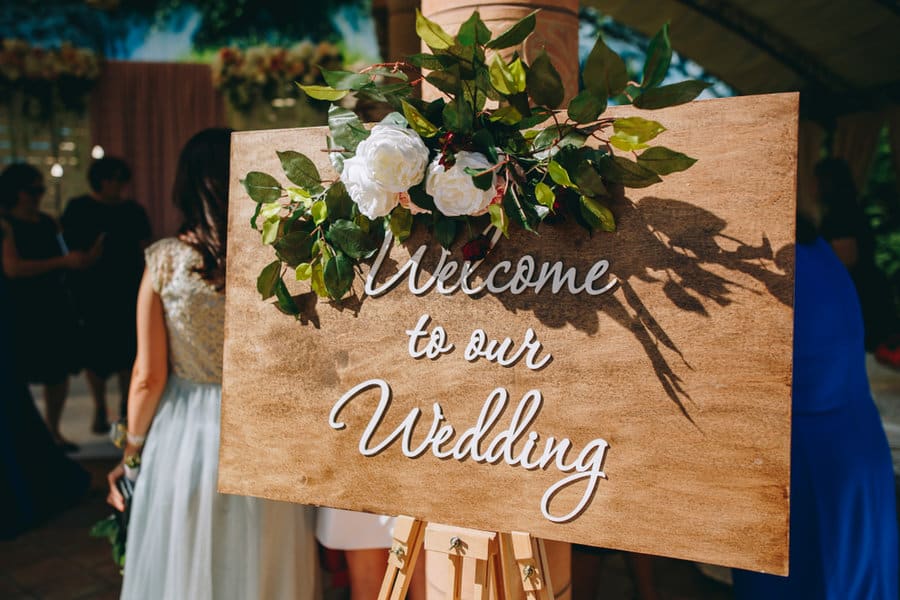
677, 246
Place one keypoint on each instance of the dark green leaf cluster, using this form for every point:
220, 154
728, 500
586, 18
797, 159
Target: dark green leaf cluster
548, 160
110, 529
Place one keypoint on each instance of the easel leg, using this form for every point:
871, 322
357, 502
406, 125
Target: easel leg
404, 553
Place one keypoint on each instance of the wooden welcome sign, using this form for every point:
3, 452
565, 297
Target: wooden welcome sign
627, 390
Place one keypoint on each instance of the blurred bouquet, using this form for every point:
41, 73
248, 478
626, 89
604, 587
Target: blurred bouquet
45, 76
266, 73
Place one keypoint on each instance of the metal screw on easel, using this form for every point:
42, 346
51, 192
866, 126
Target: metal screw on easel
398, 551
455, 543
528, 571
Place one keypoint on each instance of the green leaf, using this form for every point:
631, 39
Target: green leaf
486, 144
303, 271
659, 55
670, 95
262, 187
300, 170
664, 161
548, 136
597, 215
319, 212
400, 222
419, 123
265, 283
347, 130
604, 72
391, 72
431, 33
270, 231
270, 211
474, 31
559, 175
338, 275
351, 239
544, 195
338, 202
508, 79
323, 92
586, 107
626, 143
295, 247
105, 528
523, 212
447, 81
255, 216
641, 128
458, 118
588, 180
431, 61
445, 231
506, 115
483, 180
345, 80
630, 174
499, 218
514, 35
285, 302
544, 83
317, 281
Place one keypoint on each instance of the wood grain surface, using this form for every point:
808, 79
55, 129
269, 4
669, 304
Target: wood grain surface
684, 368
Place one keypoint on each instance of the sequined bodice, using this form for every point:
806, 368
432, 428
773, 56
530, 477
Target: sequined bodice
194, 311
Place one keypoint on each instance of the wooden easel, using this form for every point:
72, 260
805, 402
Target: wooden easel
480, 560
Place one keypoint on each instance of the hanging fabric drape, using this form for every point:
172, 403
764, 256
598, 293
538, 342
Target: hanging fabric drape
144, 113
855, 140
812, 137
894, 138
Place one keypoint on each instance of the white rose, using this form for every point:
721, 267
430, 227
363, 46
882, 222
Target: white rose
395, 156
372, 199
453, 191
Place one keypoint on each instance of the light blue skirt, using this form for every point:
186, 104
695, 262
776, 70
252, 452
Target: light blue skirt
187, 541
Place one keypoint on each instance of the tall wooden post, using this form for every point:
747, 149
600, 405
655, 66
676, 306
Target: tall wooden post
556, 31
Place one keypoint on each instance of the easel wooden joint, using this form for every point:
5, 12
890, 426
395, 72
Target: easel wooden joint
492, 565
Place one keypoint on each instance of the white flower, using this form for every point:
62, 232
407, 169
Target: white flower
395, 156
372, 199
453, 191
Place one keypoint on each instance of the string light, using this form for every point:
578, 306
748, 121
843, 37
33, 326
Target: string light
56, 170
97, 152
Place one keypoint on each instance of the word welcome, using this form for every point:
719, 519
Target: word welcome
526, 275
511, 445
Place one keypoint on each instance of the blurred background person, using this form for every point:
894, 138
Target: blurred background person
843, 521
34, 260
106, 293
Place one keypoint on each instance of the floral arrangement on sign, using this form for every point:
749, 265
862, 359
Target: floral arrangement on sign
45, 76
495, 148
264, 73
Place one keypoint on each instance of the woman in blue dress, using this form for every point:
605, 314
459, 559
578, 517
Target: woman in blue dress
843, 515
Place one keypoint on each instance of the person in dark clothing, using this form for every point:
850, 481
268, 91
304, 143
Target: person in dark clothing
107, 292
845, 227
35, 261
37, 479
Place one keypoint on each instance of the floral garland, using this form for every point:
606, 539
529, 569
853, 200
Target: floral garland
45, 76
484, 151
264, 73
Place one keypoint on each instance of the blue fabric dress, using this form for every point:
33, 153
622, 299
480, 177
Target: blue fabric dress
843, 516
